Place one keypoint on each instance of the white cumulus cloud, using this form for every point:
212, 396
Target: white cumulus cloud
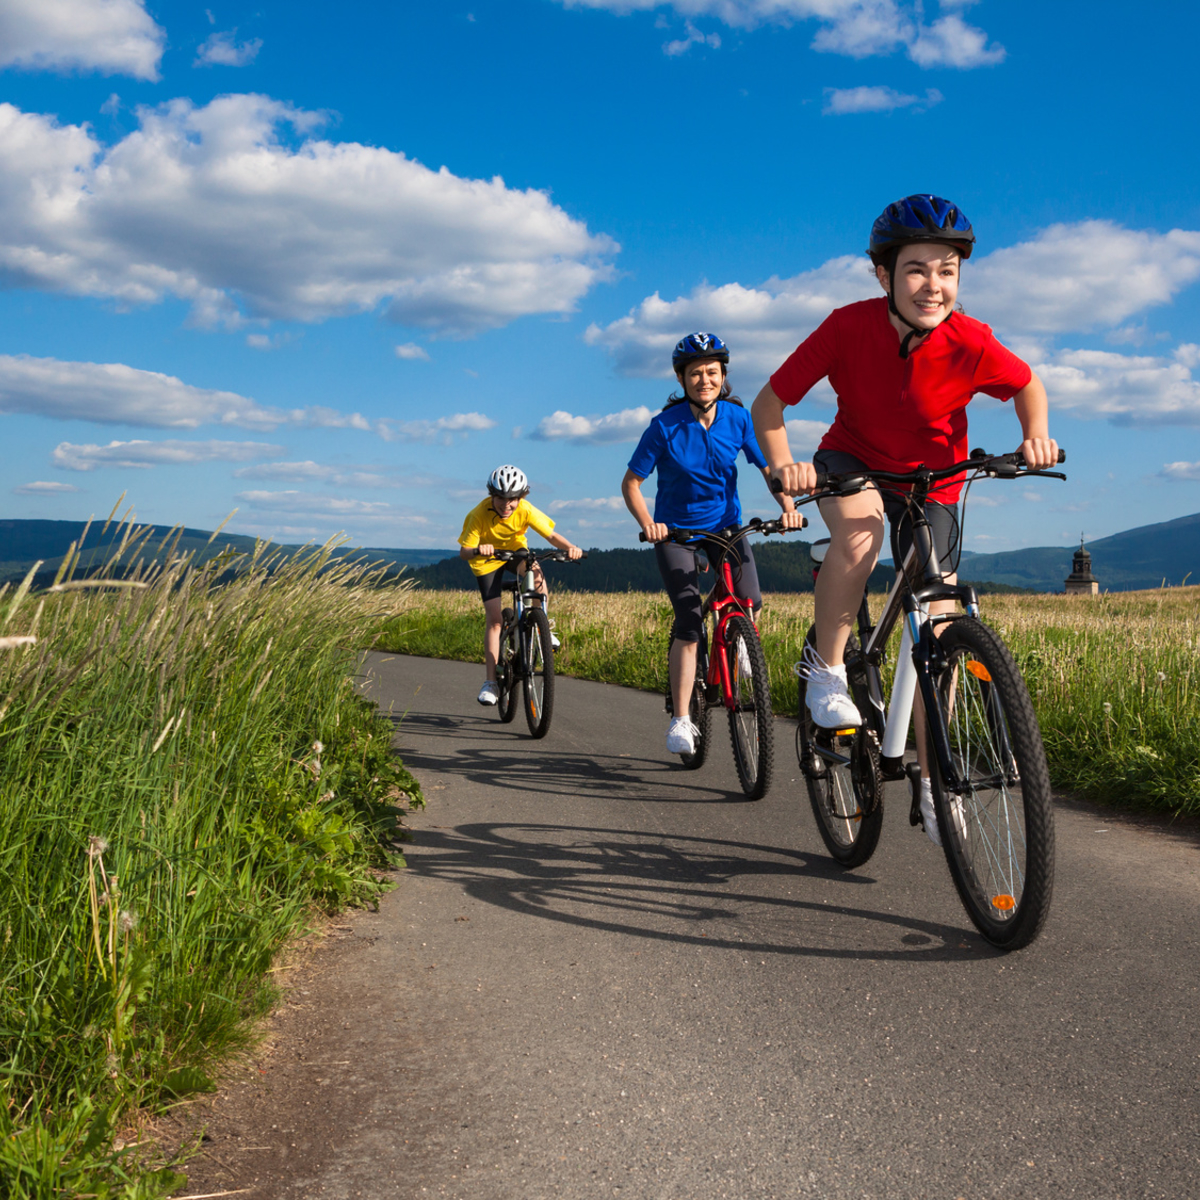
1070, 278
840, 101
1080, 277
412, 352
294, 503
114, 37
857, 28
1126, 389
624, 426
1181, 470
600, 504
804, 436
145, 454
42, 487
224, 50
761, 325
216, 206
951, 42
441, 429
691, 37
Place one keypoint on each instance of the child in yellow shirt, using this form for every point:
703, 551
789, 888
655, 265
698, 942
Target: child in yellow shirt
499, 523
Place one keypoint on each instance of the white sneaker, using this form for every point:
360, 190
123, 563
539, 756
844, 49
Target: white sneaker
928, 816
827, 692
681, 736
489, 694
554, 642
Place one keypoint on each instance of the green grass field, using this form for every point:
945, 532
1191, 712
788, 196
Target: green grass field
1115, 679
187, 776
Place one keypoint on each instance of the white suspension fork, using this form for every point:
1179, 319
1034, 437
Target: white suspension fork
904, 687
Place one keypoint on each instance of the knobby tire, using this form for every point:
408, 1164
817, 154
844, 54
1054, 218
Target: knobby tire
751, 726
539, 677
507, 666
999, 836
847, 800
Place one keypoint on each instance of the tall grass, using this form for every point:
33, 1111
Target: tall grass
1115, 679
186, 771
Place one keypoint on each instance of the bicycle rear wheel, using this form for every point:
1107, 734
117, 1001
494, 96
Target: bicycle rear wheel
751, 727
539, 676
841, 769
506, 667
998, 834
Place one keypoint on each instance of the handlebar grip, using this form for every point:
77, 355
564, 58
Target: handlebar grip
642, 537
822, 481
776, 484
1062, 456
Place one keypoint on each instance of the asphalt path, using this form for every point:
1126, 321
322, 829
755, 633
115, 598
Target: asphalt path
603, 975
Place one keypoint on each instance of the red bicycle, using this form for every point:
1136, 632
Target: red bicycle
734, 671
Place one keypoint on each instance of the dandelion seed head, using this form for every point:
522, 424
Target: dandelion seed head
127, 920
1162, 678
1107, 707
318, 747
112, 1065
96, 846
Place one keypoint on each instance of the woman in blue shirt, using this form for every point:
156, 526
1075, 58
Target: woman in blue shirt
693, 444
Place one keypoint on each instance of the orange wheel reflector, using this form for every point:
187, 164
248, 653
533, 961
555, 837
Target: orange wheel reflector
845, 732
1004, 903
979, 671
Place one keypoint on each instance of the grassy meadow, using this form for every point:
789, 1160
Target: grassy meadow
187, 776
1115, 679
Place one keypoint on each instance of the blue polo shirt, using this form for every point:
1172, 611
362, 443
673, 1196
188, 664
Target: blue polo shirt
697, 475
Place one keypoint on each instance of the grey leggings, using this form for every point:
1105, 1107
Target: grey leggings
677, 565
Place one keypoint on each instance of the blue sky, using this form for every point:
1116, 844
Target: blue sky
328, 265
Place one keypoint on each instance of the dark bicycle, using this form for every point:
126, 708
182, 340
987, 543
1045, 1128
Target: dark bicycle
991, 783
526, 650
734, 671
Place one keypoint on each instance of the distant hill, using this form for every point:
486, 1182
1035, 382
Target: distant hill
1138, 558
783, 566
22, 543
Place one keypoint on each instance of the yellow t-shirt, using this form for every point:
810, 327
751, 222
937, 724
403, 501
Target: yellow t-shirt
484, 524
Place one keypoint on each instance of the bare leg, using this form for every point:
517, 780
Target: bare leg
856, 529
491, 635
682, 664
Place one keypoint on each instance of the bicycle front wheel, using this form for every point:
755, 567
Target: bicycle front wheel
751, 728
539, 673
998, 833
506, 667
841, 769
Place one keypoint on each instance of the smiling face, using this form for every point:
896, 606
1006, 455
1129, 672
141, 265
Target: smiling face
702, 380
505, 507
926, 282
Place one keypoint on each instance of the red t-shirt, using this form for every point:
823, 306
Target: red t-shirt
896, 413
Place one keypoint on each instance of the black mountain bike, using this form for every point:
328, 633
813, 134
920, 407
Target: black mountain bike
991, 784
734, 672
526, 652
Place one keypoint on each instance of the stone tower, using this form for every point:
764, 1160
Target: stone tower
1081, 581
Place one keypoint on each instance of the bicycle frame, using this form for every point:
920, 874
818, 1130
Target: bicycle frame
721, 600
919, 583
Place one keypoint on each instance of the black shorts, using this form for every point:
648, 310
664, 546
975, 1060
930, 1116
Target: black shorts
943, 518
490, 585
681, 578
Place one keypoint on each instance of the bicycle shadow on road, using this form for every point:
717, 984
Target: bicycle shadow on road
681, 889
484, 752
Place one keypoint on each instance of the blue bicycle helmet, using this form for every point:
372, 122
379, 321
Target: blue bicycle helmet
920, 219
699, 345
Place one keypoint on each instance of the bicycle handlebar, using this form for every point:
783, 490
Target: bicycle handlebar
996, 466
729, 537
533, 555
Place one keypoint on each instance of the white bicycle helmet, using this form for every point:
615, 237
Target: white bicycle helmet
508, 482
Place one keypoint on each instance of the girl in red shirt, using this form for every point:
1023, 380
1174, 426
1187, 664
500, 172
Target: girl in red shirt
904, 368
